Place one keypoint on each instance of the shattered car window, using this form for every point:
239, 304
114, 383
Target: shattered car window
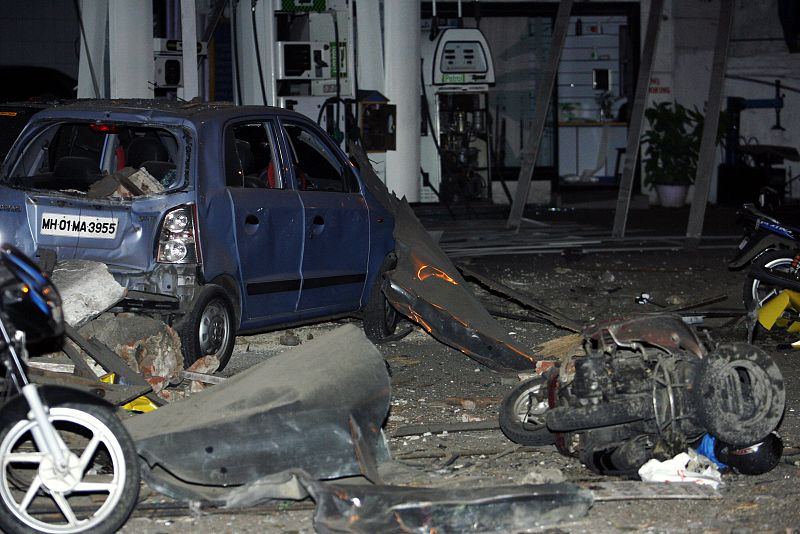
99, 160
315, 165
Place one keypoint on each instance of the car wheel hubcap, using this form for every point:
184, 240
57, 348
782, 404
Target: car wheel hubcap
214, 328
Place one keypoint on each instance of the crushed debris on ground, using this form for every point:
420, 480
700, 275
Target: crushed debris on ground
433, 384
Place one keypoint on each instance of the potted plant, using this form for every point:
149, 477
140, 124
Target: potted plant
673, 144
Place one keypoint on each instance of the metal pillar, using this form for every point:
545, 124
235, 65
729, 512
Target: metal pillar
189, 38
708, 141
130, 48
544, 93
402, 49
637, 119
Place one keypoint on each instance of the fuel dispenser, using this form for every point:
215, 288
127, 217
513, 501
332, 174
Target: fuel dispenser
457, 70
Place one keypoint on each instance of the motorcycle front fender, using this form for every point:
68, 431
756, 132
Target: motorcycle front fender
17, 407
756, 245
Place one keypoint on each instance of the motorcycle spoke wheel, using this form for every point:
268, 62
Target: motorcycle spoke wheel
757, 292
97, 490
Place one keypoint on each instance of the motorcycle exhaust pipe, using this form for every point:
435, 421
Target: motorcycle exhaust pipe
615, 412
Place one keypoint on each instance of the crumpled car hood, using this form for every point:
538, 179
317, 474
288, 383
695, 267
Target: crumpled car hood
427, 288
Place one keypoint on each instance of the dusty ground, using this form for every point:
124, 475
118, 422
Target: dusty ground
432, 383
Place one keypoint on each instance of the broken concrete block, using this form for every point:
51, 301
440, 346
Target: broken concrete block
197, 386
158, 383
546, 475
148, 346
172, 395
87, 289
206, 365
289, 338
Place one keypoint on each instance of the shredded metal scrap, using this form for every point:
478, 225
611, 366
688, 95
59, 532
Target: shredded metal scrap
427, 288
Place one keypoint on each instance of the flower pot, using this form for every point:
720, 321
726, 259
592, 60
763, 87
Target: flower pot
672, 196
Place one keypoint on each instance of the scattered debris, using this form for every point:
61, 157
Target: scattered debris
368, 509
545, 475
562, 347
644, 298
438, 428
127, 182
146, 345
544, 312
330, 394
205, 365
87, 289
684, 467
289, 339
629, 490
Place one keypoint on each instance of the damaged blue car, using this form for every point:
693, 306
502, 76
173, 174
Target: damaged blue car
217, 218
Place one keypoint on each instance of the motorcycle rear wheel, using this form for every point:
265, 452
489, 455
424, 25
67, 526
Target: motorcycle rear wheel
99, 490
522, 414
756, 292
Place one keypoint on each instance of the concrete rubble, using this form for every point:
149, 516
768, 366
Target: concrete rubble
87, 289
148, 346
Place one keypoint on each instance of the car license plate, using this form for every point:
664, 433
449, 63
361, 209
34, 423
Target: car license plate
78, 226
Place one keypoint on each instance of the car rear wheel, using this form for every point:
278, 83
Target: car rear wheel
208, 329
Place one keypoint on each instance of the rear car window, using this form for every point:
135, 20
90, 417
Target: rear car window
99, 160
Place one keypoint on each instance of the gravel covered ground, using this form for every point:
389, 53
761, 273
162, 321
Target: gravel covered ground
435, 384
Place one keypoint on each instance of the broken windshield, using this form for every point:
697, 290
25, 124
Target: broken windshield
99, 160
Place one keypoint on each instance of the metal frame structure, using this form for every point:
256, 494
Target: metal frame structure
544, 93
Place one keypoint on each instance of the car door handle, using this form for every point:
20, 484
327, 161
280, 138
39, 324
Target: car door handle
317, 226
251, 219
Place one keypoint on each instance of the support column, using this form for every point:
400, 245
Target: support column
257, 88
130, 48
189, 39
708, 141
92, 74
370, 46
402, 49
636, 126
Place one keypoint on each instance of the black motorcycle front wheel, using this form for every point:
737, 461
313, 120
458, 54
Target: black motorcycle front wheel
522, 413
95, 493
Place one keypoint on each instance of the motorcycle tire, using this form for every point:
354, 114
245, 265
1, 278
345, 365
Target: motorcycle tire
99, 490
522, 414
740, 394
756, 292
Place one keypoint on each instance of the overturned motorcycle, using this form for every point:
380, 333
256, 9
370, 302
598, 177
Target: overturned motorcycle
647, 388
68, 465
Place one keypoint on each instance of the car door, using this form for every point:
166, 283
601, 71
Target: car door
336, 224
268, 216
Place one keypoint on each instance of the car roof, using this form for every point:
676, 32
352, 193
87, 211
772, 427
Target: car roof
193, 111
